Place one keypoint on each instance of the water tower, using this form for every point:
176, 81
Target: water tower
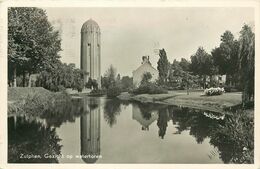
90, 51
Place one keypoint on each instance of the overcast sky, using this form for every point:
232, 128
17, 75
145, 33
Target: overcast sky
129, 33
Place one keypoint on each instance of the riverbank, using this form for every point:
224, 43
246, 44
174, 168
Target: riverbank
193, 100
34, 100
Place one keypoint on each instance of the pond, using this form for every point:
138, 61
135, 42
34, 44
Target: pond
100, 130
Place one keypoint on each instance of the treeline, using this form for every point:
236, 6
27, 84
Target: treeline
33, 48
233, 58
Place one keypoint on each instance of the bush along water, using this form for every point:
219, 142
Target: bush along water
149, 88
214, 91
38, 103
113, 91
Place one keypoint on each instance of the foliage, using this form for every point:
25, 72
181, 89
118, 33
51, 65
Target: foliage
202, 63
97, 92
149, 88
214, 91
109, 78
163, 66
247, 62
147, 76
179, 78
235, 138
184, 64
113, 91
60, 77
126, 83
111, 82
92, 84
226, 57
33, 45
78, 82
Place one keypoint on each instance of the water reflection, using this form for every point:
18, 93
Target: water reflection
144, 117
64, 112
147, 113
29, 141
112, 109
90, 130
229, 137
162, 121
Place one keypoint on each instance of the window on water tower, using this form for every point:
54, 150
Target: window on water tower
98, 49
89, 49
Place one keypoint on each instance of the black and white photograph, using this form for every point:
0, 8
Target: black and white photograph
130, 84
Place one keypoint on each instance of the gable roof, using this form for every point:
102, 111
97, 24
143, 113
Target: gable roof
144, 65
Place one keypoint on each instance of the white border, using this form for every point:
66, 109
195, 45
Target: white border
110, 3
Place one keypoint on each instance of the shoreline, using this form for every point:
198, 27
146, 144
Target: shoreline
180, 98
194, 100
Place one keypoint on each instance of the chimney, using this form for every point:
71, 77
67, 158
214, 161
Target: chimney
145, 59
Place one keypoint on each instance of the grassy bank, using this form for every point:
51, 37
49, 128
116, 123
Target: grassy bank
193, 100
34, 100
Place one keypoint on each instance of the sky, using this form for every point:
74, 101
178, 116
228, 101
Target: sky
127, 34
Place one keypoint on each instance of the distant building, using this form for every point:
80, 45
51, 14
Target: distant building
146, 66
221, 79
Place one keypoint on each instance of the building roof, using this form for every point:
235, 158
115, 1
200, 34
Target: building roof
145, 61
143, 65
89, 24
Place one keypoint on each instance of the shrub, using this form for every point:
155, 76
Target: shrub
227, 88
149, 88
97, 92
113, 91
214, 91
232, 88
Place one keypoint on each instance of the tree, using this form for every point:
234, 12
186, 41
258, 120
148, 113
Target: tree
89, 83
60, 77
109, 78
126, 82
175, 75
179, 78
33, 45
226, 56
247, 62
184, 64
95, 84
163, 66
147, 76
202, 64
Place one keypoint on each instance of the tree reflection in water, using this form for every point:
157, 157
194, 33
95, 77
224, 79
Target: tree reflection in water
64, 112
112, 109
30, 137
162, 121
233, 136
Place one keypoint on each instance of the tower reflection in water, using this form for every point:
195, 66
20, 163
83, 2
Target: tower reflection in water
90, 130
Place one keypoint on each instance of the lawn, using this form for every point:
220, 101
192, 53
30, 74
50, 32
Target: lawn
193, 100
